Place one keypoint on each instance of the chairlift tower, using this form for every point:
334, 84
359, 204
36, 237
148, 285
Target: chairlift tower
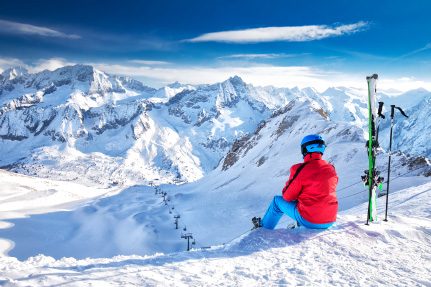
188, 236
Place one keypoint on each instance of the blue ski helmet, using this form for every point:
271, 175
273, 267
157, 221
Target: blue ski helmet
312, 143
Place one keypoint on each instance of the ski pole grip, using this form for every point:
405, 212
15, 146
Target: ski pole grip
380, 110
402, 112
392, 111
374, 76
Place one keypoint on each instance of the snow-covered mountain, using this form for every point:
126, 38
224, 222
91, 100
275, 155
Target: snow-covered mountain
78, 123
410, 135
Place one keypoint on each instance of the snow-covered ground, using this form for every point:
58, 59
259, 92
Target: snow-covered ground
22, 196
394, 253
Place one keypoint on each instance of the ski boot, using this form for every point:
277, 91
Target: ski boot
293, 225
256, 222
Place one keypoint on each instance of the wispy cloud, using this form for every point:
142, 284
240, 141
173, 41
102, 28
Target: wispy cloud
37, 66
261, 56
10, 27
289, 34
148, 62
279, 76
6, 63
404, 84
426, 47
258, 75
50, 64
417, 51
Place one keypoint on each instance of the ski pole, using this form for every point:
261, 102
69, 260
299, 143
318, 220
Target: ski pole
379, 115
393, 107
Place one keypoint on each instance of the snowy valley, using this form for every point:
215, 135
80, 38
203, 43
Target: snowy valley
104, 177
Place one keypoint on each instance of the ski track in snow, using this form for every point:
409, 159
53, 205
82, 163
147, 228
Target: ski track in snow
393, 253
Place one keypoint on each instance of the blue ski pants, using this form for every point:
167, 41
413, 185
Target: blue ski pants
279, 206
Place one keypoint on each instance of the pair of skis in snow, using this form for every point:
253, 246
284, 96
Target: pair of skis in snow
372, 176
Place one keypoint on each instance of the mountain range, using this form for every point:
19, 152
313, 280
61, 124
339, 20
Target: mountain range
212, 155
79, 123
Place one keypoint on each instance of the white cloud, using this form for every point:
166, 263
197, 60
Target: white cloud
422, 49
260, 56
148, 62
49, 64
263, 75
403, 84
37, 66
6, 63
10, 27
258, 75
290, 34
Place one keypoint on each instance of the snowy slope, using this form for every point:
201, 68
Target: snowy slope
214, 207
257, 167
22, 196
394, 253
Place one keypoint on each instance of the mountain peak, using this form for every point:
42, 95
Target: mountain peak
418, 91
78, 68
175, 85
80, 72
334, 91
14, 72
236, 80
309, 91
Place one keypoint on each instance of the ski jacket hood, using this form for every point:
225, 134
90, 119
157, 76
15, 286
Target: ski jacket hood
314, 187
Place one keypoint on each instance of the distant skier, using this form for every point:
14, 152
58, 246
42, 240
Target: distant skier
309, 195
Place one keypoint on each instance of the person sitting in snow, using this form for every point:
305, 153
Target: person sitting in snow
309, 196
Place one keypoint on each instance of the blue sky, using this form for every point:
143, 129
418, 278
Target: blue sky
281, 43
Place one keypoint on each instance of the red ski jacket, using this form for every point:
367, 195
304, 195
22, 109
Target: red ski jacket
314, 189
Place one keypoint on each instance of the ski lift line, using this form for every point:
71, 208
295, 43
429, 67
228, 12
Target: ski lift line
350, 195
238, 236
400, 175
353, 184
188, 236
383, 182
394, 178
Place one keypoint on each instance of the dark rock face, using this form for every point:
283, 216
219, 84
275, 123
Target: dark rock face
234, 154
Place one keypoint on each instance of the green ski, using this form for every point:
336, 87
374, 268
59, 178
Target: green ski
372, 176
